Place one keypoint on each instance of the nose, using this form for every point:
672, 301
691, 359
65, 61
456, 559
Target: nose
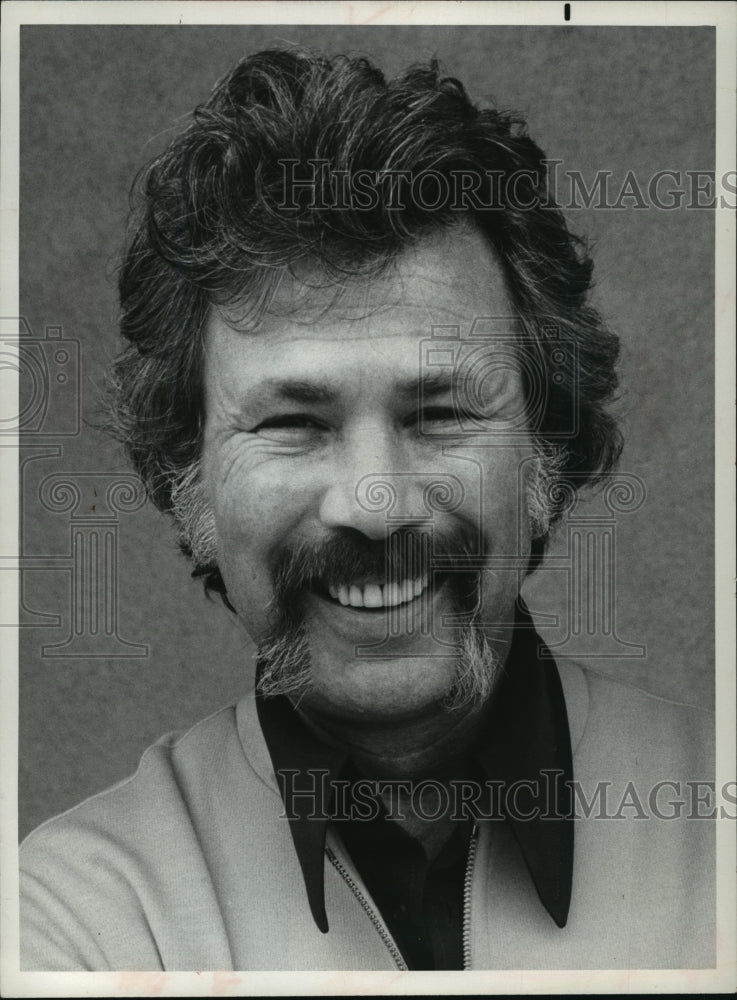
371, 485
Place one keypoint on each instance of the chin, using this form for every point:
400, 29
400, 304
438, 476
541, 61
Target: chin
389, 689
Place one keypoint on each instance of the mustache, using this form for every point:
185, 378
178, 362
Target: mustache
349, 556
283, 659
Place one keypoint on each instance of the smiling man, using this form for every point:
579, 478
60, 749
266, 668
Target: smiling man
362, 375
323, 394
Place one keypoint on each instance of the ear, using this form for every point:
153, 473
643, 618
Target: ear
214, 583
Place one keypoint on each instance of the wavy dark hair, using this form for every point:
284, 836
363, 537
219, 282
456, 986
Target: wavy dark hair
212, 229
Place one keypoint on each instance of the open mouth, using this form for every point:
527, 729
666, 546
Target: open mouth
367, 611
372, 595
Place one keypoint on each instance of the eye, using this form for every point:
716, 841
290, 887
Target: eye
287, 420
289, 425
451, 421
447, 417
438, 415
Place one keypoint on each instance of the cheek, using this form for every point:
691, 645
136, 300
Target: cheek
255, 513
495, 484
507, 530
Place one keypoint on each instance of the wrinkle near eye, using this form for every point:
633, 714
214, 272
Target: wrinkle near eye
240, 455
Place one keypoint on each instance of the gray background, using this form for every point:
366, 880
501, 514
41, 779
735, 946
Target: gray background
97, 102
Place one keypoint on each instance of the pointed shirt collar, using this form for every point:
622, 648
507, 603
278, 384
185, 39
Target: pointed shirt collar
526, 744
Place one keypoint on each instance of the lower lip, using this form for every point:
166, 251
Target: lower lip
370, 625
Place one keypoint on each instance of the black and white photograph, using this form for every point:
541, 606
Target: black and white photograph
368, 493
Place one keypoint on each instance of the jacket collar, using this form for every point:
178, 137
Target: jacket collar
527, 745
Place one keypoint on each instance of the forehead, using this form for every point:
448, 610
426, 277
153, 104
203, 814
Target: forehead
316, 326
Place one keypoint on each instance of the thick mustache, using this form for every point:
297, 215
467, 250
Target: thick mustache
348, 557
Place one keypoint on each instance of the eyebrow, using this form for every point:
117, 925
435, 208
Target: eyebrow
297, 390
309, 393
434, 384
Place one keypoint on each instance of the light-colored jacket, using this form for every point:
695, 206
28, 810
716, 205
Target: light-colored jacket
188, 865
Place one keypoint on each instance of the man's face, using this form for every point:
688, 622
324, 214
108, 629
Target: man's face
320, 404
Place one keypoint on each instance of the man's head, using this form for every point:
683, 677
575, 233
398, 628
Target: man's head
276, 376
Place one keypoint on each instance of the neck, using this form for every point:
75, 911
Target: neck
435, 744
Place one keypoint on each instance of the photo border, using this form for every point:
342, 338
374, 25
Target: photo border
724, 977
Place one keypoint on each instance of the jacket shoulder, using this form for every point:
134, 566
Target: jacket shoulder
90, 878
611, 720
155, 785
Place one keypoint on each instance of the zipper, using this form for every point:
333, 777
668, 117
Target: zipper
368, 909
467, 899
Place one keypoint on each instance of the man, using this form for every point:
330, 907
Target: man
363, 376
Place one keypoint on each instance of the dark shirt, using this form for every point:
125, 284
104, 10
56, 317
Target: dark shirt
525, 746
421, 900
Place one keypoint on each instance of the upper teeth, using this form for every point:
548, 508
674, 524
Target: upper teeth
371, 595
